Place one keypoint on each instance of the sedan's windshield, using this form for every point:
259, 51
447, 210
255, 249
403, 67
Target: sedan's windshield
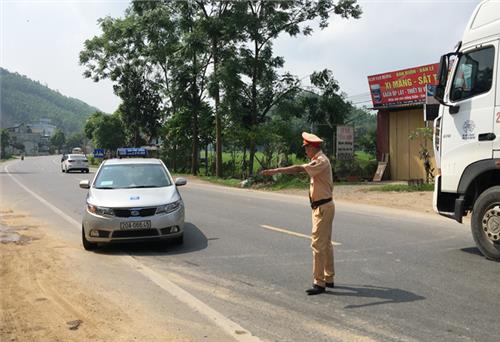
132, 176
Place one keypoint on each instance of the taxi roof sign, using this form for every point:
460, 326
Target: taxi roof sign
132, 152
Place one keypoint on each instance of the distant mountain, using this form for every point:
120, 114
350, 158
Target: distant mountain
26, 101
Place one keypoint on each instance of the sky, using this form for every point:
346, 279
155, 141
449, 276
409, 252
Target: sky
42, 40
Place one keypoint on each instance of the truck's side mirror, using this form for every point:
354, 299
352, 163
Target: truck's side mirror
442, 78
439, 93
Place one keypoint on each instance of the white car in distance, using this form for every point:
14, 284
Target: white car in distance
71, 162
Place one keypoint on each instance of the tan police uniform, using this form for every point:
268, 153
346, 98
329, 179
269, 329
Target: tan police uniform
320, 190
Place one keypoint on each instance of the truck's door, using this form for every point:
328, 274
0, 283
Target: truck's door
468, 130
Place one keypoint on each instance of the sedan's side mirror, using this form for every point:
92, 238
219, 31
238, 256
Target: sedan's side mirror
180, 181
85, 184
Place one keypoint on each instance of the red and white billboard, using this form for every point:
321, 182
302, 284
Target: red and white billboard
403, 87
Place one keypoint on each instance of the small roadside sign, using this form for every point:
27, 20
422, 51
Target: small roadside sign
345, 142
98, 153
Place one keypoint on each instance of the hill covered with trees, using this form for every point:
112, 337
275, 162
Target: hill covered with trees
25, 100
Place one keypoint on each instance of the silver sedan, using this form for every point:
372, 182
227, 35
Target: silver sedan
132, 200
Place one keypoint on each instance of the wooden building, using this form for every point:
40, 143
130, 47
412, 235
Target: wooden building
400, 97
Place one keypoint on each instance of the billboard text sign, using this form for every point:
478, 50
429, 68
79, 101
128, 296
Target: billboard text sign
345, 142
402, 87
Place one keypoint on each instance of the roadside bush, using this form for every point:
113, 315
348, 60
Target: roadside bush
368, 170
346, 168
93, 160
362, 169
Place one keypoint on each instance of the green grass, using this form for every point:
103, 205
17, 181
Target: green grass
403, 188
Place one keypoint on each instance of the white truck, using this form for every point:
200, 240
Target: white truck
467, 130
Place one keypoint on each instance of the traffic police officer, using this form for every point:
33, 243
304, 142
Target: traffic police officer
323, 210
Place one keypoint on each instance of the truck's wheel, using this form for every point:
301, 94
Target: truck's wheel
485, 223
89, 246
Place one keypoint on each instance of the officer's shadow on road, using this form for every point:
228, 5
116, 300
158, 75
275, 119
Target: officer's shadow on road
386, 295
194, 240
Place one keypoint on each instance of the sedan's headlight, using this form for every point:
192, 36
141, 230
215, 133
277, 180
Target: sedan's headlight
168, 208
99, 210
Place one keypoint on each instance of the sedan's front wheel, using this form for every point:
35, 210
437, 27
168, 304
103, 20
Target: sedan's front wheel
89, 246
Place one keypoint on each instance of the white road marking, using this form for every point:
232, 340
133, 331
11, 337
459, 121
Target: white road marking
289, 232
231, 328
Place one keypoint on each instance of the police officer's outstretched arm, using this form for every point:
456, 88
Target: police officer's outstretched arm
288, 170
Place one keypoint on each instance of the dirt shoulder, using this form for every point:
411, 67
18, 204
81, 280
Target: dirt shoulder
42, 299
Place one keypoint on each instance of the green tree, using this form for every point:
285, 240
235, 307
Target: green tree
4, 141
75, 140
140, 110
58, 139
221, 24
365, 129
109, 133
154, 70
172, 54
91, 124
106, 131
264, 22
327, 108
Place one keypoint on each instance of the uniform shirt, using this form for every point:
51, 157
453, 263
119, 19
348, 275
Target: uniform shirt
320, 171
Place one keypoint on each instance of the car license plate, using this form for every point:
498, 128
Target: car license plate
135, 225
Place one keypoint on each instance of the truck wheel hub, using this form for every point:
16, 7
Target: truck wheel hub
491, 224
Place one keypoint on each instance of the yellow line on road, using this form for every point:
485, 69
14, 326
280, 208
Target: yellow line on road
289, 232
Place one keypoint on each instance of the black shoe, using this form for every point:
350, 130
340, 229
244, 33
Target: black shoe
314, 290
332, 284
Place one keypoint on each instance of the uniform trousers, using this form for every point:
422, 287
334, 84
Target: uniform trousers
321, 243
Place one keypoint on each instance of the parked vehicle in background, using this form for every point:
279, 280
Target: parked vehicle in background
74, 162
467, 130
132, 200
77, 150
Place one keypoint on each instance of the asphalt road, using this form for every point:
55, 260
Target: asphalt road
399, 275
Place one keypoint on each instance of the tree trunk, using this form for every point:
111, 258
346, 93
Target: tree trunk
206, 160
174, 159
195, 107
254, 108
194, 145
218, 123
244, 164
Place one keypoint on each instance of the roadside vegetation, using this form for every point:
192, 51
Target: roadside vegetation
204, 84
403, 188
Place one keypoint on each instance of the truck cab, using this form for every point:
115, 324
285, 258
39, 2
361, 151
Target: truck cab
467, 130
